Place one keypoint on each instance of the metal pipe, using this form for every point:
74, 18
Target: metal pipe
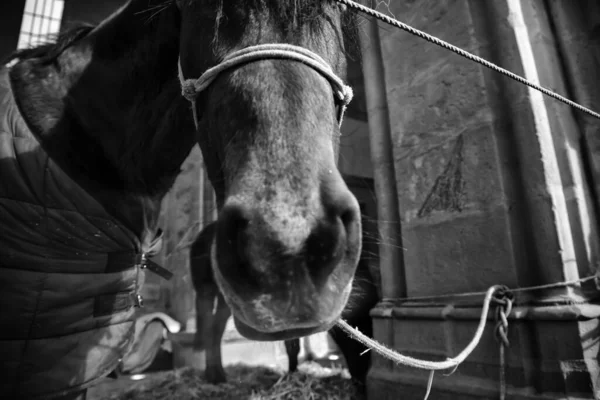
563, 312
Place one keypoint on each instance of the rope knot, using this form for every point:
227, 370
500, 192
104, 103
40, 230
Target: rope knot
346, 95
504, 300
502, 292
188, 89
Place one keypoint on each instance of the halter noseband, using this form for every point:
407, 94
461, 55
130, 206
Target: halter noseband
190, 88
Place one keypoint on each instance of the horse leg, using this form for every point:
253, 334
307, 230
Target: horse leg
292, 348
206, 296
214, 364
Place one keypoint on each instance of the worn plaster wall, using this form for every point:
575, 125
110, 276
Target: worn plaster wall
449, 155
494, 187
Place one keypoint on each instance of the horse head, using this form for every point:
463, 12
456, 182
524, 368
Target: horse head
267, 107
266, 82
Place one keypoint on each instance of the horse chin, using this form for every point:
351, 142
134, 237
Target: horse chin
266, 314
251, 324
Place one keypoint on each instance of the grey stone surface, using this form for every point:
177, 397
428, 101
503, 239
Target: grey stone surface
489, 193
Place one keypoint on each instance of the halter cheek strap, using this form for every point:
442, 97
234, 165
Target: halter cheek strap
190, 88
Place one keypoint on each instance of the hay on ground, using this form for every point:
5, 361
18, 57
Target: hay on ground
244, 382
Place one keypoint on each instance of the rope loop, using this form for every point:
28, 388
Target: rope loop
188, 89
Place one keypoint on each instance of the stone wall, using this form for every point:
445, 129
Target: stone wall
449, 167
493, 189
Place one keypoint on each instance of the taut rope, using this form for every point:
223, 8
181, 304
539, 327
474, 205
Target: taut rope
466, 54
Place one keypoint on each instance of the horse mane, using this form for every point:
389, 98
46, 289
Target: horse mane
295, 14
47, 53
291, 13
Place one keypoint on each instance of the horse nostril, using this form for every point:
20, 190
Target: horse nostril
327, 244
323, 249
231, 236
349, 219
341, 204
233, 221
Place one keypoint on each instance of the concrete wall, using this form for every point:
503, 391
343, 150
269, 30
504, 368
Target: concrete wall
493, 189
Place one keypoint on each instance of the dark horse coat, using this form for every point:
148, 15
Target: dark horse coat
69, 272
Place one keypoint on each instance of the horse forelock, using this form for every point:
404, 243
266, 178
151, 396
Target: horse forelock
292, 17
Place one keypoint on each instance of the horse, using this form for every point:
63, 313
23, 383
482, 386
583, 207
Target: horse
212, 314
93, 130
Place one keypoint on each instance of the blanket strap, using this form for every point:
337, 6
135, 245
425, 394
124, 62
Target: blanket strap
112, 303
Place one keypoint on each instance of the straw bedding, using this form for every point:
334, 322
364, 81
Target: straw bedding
312, 382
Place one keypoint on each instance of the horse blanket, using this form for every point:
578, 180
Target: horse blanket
69, 272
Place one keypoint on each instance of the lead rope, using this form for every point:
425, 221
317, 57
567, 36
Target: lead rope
502, 296
424, 364
432, 366
190, 88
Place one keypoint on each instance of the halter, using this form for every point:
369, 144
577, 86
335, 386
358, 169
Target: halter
191, 88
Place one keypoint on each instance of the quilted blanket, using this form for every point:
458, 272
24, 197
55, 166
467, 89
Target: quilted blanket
69, 272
